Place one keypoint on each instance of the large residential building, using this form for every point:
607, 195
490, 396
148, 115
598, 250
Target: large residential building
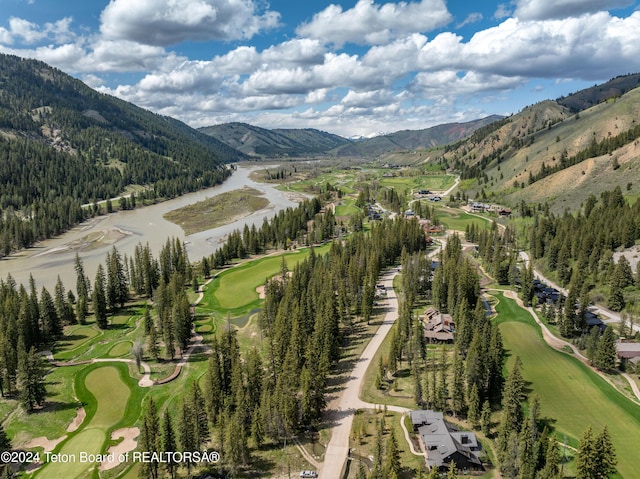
443, 443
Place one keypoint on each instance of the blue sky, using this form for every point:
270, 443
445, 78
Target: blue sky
350, 68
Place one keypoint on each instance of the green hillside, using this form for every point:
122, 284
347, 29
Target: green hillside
63, 144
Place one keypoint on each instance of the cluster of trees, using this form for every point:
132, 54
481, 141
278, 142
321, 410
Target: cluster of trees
30, 321
596, 456
249, 399
386, 455
393, 200
498, 251
27, 321
579, 248
465, 379
288, 225
166, 433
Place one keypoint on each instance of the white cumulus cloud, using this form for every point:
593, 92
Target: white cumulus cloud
167, 22
557, 9
368, 23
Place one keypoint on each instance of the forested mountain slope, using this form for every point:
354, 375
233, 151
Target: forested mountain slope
63, 144
280, 142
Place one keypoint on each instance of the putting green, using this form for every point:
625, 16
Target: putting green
571, 394
120, 349
111, 395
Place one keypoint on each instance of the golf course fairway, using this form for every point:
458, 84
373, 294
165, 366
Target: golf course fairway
572, 396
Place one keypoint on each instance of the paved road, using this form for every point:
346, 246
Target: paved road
342, 415
609, 316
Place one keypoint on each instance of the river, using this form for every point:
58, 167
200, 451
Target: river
55, 257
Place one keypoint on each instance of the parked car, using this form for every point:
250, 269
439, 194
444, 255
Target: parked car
308, 474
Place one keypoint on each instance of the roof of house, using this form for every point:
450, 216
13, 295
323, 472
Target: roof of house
440, 443
628, 349
438, 326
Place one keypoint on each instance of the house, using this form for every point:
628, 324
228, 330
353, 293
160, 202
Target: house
628, 351
442, 443
479, 207
438, 327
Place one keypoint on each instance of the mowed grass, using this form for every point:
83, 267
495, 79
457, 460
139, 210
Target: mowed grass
111, 395
421, 182
459, 220
573, 396
88, 441
120, 349
236, 288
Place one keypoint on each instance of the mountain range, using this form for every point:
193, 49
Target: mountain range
61, 139
260, 142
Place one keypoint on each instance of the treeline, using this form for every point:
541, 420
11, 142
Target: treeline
31, 321
579, 248
43, 189
69, 145
301, 226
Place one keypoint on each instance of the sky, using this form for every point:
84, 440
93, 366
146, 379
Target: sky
353, 68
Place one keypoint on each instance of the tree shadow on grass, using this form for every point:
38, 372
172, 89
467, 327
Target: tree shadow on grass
54, 406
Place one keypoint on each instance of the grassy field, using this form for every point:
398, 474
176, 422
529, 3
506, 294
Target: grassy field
459, 220
409, 184
218, 210
572, 395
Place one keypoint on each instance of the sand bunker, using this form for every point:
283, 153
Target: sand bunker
75, 424
47, 444
129, 434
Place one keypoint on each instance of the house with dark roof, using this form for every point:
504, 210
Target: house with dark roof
442, 443
438, 327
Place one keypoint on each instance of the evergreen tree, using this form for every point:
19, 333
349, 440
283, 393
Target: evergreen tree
452, 473
473, 413
485, 418
31, 379
100, 299
149, 439
392, 459
169, 443
551, 468
526, 453
50, 323
606, 453
587, 459
187, 432
606, 353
